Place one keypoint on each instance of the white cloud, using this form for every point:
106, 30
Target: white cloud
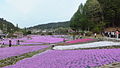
34, 12
24, 6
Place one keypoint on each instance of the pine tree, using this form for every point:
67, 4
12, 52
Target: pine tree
94, 13
111, 12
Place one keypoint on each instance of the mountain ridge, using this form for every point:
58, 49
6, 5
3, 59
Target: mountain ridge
6, 26
52, 25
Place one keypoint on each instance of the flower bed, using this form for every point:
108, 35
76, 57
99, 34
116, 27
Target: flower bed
80, 40
45, 39
70, 59
18, 50
88, 45
35, 39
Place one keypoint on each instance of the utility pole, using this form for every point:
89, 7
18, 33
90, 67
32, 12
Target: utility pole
17, 25
5, 28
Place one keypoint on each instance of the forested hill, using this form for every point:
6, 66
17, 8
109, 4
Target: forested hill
6, 26
96, 15
111, 12
51, 25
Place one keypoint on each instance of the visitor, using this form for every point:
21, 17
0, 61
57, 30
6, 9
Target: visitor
84, 34
117, 34
95, 35
10, 43
105, 33
3, 44
109, 34
80, 36
112, 34
18, 42
28, 37
64, 40
102, 34
3, 38
52, 47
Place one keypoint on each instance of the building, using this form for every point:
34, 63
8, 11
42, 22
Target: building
18, 34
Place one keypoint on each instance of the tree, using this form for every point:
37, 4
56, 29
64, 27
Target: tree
111, 12
61, 30
94, 14
79, 20
6, 26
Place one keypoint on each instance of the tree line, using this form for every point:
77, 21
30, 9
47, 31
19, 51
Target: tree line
6, 26
56, 25
96, 15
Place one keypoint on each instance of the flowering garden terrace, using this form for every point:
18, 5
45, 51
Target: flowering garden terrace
18, 50
80, 41
33, 40
11, 55
76, 54
70, 59
88, 45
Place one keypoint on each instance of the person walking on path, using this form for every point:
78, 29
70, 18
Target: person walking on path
95, 35
109, 34
64, 40
10, 43
52, 47
18, 42
117, 34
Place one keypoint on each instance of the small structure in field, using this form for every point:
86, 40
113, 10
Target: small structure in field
18, 34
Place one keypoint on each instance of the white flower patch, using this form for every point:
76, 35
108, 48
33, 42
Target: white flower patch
87, 45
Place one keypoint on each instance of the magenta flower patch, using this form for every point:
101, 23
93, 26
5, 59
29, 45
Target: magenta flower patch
70, 59
80, 40
35, 39
18, 50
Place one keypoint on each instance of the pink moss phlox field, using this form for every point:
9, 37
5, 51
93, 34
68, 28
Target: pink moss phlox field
18, 50
45, 39
70, 59
80, 40
35, 39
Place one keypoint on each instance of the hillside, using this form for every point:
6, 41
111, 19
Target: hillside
6, 26
51, 25
95, 16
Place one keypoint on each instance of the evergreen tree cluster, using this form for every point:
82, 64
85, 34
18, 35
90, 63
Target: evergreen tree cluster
111, 12
96, 15
7, 27
52, 25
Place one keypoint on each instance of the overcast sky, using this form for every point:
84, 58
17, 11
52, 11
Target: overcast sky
28, 13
